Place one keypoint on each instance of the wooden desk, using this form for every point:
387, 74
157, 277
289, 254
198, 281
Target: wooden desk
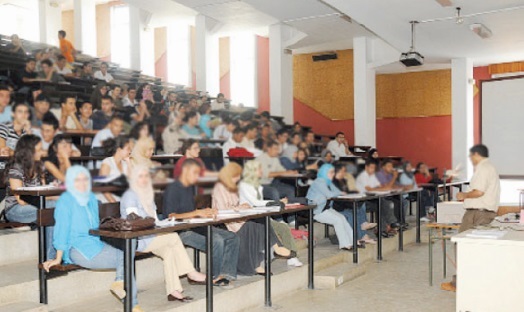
129, 238
172, 158
206, 141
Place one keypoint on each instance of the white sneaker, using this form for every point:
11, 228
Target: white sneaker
294, 262
425, 219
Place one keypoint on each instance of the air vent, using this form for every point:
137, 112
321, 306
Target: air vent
325, 57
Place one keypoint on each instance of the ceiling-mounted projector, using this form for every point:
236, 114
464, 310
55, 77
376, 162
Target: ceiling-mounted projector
412, 58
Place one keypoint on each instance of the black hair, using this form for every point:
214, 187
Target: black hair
220, 94
135, 131
370, 152
370, 161
418, 166
339, 133
265, 114
24, 157
104, 63
60, 57
281, 132
189, 115
239, 130
187, 145
107, 97
385, 162
50, 119
3, 87
271, 143
259, 144
480, 149
113, 144
116, 117
21, 104
81, 104
52, 155
84, 65
30, 59
204, 108
250, 126
62, 33
47, 62
304, 151
63, 98
338, 166
41, 98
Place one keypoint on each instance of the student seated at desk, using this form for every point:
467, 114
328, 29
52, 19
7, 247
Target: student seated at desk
320, 192
234, 142
292, 147
61, 67
310, 141
143, 150
86, 111
225, 130
298, 162
190, 126
191, 150
388, 176
116, 94
326, 157
11, 132
16, 45
48, 73
251, 133
103, 74
282, 138
179, 202
113, 129
172, 134
58, 161
116, 165
25, 169
100, 91
66, 114
368, 182
274, 189
205, 120
47, 132
140, 131
6, 114
339, 146
86, 72
250, 192
219, 103
168, 247
39, 110
341, 181
251, 233
102, 116
76, 213
408, 181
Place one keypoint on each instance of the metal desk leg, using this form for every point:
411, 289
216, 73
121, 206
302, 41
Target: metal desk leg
128, 274
42, 255
268, 264
417, 215
430, 244
401, 230
310, 256
354, 225
444, 252
435, 201
196, 259
297, 226
379, 236
209, 269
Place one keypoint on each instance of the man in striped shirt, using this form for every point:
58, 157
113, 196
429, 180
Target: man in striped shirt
12, 131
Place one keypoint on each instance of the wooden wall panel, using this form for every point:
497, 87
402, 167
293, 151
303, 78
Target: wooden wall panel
325, 86
503, 68
426, 93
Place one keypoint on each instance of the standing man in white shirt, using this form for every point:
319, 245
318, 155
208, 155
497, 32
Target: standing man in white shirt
102, 74
233, 142
339, 146
483, 199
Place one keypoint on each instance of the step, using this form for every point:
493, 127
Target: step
18, 245
339, 274
23, 306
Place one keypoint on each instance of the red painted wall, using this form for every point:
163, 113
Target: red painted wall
225, 82
263, 73
426, 139
320, 124
161, 67
479, 73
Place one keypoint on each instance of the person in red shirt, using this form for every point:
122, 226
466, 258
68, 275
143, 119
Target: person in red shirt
68, 51
191, 149
422, 174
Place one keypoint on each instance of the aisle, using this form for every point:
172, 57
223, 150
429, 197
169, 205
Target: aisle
398, 284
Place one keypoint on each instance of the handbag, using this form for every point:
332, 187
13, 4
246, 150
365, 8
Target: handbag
133, 222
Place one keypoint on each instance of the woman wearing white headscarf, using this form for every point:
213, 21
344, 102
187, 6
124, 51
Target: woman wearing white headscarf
141, 199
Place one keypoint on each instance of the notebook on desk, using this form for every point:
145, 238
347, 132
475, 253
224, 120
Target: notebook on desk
450, 212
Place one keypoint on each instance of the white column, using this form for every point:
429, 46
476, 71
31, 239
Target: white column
50, 21
206, 54
281, 70
461, 114
85, 33
364, 92
141, 39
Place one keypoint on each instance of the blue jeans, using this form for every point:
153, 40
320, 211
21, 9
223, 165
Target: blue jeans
27, 214
109, 258
225, 250
361, 218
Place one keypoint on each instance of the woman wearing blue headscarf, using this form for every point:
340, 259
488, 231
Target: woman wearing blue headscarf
76, 213
319, 192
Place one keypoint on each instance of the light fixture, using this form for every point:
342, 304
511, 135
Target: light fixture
459, 19
481, 30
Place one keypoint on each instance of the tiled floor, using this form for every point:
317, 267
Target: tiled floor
398, 284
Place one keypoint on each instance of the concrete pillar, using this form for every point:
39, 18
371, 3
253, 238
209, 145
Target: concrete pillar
141, 39
85, 30
364, 92
462, 114
50, 21
281, 70
206, 54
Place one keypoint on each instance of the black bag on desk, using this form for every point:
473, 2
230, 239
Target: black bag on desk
133, 222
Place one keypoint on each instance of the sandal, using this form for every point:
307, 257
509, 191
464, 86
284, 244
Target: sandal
221, 282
